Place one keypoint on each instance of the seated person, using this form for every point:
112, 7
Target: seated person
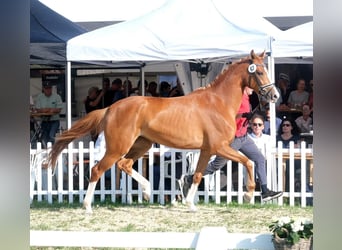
298, 97
259, 138
283, 86
288, 132
304, 122
267, 128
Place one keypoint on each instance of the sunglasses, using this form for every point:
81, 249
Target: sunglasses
257, 124
286, 125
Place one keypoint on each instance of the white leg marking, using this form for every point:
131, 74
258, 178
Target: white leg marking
247, 197
146, 186
89, 196
191, 197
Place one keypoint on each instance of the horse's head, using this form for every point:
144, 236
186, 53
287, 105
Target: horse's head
258, 78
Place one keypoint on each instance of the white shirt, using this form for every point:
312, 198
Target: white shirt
262, 142
100, 144
304, 125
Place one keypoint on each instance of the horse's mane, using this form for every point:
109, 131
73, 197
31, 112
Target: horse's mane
224, 73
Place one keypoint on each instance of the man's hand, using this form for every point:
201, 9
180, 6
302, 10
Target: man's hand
247, 115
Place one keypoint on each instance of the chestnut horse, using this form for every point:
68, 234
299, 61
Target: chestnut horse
203, 119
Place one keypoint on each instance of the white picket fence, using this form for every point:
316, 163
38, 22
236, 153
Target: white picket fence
69, 178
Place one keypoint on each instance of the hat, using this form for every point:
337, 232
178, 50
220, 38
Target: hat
47, 84
284, 77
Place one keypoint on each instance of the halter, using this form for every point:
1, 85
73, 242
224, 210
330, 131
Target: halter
252, 69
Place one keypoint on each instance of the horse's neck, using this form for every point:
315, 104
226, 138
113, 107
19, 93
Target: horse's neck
229, 88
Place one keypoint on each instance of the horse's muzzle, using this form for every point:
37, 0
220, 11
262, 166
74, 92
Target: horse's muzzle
274, 95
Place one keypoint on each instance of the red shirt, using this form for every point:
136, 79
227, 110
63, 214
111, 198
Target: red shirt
241, 124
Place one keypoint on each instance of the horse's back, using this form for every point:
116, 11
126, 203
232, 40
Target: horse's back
181, 122
159, 119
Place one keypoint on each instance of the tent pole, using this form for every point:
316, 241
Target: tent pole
68, 92
273, 132
142, 82
183, 77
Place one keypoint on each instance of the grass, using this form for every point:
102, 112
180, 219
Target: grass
107, 216
145, 217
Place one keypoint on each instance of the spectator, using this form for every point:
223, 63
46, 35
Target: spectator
284, 90
298, 97
128, 89
177, 90
304, 122
117, 90
288, 131
260, 139
93, 100
50, 103
107, 93
152, 89
139, 89
267, 128
310, 102
164, 89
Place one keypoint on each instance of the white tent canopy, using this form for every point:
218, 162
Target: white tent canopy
178, 30
294, 42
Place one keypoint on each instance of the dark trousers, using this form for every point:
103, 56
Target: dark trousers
247, 146
49, 131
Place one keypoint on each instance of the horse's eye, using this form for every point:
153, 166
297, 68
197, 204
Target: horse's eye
259, 73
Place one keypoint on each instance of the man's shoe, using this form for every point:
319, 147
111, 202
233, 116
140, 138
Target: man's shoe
269, 195
184, 186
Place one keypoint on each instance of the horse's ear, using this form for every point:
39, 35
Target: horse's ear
253, 55
262, 55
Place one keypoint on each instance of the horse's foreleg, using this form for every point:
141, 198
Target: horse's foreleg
232, 154
250, 181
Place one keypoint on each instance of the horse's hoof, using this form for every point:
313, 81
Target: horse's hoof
87, 207
247, 198
147, 194
192, 207
89, 211
174, 202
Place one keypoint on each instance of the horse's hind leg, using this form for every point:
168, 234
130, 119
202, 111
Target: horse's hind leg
140, 146
201, 166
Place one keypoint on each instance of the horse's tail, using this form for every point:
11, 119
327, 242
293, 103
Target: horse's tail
92, 122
